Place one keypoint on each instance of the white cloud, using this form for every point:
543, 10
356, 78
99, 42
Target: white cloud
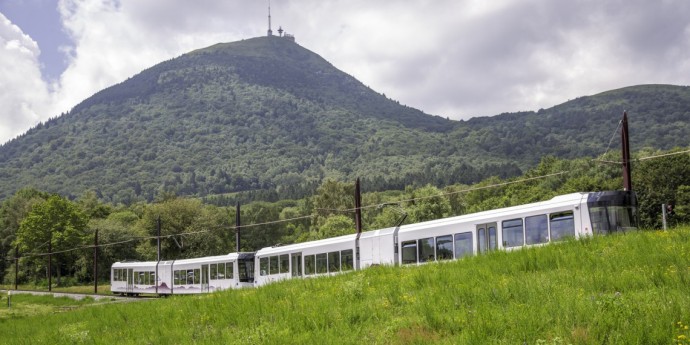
23, 95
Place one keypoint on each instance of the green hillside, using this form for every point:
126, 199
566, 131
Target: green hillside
630, 288
268, 116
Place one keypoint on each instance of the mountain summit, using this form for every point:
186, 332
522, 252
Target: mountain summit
273, 62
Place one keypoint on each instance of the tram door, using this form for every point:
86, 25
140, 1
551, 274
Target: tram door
204, 278
130, 280
296, 267
486, 237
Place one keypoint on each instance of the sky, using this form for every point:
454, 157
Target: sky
453, 58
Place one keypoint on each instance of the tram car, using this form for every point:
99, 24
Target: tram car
572, 215
187, 276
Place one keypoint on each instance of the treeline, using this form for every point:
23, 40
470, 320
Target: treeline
35, 222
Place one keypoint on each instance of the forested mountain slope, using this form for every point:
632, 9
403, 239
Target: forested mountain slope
269, 116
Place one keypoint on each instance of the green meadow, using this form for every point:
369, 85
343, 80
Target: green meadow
631, 288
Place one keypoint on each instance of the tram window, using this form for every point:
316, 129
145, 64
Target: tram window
409, 252
245, 270
513, 233
321, 263
141, 278
334, 262
346, 260
296, 261
197, 276
285, 263
481, 238
273, 265
221, 271
562, 225
176, 278
153, 278
309, 265
492, 238
263, 266
444, 247
426, 250
229, 270
463, 244
214, 271
190, 277
536, 229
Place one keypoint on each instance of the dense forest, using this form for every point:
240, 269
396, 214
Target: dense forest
35, 222
266, 119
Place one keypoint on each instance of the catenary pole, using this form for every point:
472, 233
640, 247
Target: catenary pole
625, 147
358, 222
95, 262
16, 266
237, 227
50, 262
158, 236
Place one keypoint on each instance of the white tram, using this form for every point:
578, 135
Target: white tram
188, 276
572, 215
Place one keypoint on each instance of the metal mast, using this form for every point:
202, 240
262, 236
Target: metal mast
270, 32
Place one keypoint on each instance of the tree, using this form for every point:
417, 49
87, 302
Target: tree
336, 225
656, 182
682, 206
118, 229
426, 203
58, 222
332, 198
12, 213
188, 229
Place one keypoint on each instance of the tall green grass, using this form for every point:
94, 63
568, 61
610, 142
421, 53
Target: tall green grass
631, 288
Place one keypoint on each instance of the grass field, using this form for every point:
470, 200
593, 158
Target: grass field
630, 288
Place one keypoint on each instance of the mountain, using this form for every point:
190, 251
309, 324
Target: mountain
268, 116
659, 117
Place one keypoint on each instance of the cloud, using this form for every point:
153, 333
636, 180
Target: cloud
115, 40
23, 95
478, 58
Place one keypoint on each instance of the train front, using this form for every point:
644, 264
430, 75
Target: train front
612, 211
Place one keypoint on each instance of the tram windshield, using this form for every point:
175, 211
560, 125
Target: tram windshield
612, 211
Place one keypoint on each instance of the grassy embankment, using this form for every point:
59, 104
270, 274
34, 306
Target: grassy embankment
622, 289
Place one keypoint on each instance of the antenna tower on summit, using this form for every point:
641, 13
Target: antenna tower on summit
270, 32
